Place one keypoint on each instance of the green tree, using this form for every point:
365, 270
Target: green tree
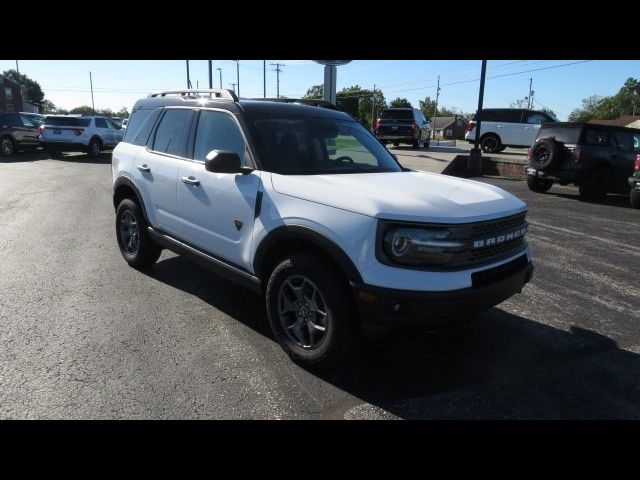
47, 106
316, 92
400, 103
358, 102
625, 102
83, 110
33, 91
588, 109
428, 106
122, 113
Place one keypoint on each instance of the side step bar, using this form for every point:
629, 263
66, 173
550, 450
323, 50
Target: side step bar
214, 264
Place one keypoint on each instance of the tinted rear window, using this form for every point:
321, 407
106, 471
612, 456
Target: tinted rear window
404, 114
500, 115
68, 121
561, 134
138, 128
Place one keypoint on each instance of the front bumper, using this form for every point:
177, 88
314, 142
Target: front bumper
490, 287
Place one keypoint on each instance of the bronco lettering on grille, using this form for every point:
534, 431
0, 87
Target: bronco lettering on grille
496, 240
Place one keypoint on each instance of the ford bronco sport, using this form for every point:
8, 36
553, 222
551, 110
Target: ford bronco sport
302, 204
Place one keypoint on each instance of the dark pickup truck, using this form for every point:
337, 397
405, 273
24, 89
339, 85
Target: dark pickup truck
599, 159
403, 125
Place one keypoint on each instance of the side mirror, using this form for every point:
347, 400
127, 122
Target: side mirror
224, 161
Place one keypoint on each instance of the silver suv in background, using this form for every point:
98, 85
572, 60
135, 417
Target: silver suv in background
90, 134
506, 127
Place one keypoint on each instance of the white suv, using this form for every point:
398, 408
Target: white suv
506, 127
67, 133
302, 204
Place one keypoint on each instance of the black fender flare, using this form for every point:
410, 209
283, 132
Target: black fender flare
126, 181
299, 232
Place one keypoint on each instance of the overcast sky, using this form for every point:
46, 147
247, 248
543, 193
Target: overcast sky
558, 84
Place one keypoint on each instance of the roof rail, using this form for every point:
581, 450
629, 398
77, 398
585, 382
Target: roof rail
217, 92
304, 101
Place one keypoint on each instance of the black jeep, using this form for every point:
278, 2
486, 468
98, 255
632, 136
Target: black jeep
597, 158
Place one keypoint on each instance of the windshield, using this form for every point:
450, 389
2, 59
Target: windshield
311, 146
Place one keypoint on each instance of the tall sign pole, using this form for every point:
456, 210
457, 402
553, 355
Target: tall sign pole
330, 78
210, 75
93, 107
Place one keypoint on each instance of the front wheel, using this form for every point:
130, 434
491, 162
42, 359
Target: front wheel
635, 198
538, 185
136, 246
490, 143
594, 188
311, 311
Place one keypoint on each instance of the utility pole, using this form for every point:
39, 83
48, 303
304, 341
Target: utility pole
264, 78
233, 85
373, 108
210, 75
93, 107
435, 112
277, 70
188, 78
530, 100
238, 76
220, 70
17, 69
474, 164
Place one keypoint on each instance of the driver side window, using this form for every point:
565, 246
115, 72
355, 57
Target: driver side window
218, 131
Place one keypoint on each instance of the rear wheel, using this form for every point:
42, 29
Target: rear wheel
490, 143
635, 198
7, 147
416, 143
310, 309
136, 246
93, 150
594, 188
538, 185
427, 144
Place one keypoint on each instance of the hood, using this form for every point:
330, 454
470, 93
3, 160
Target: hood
410, 196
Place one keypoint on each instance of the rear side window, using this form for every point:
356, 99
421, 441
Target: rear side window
171, 134
101, 123
68, 121
627, 141
536, 119
140, 125
570, 135
397, 114
597, 137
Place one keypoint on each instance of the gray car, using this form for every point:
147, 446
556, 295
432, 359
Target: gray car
18, 131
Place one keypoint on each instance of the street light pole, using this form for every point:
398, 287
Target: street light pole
93, 107
264, 78
220, 70
238, 76
435, 112
210, 75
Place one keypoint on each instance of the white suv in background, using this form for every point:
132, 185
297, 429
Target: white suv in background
66, 133
303, 205
506, 127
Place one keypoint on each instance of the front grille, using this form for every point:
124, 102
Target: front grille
495, 250
472, 232
495, 226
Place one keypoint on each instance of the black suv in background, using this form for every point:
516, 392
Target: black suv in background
18, 131
403, 125
597, 158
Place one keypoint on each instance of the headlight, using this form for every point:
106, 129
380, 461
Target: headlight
420, 246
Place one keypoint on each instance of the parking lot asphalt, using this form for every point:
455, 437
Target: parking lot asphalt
82, 335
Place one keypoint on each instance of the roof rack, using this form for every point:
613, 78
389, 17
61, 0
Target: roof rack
304, 101
190, 92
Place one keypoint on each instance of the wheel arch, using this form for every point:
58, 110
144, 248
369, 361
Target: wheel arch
286, 239
125, 188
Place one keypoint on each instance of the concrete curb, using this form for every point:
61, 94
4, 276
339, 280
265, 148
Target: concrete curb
509, 168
